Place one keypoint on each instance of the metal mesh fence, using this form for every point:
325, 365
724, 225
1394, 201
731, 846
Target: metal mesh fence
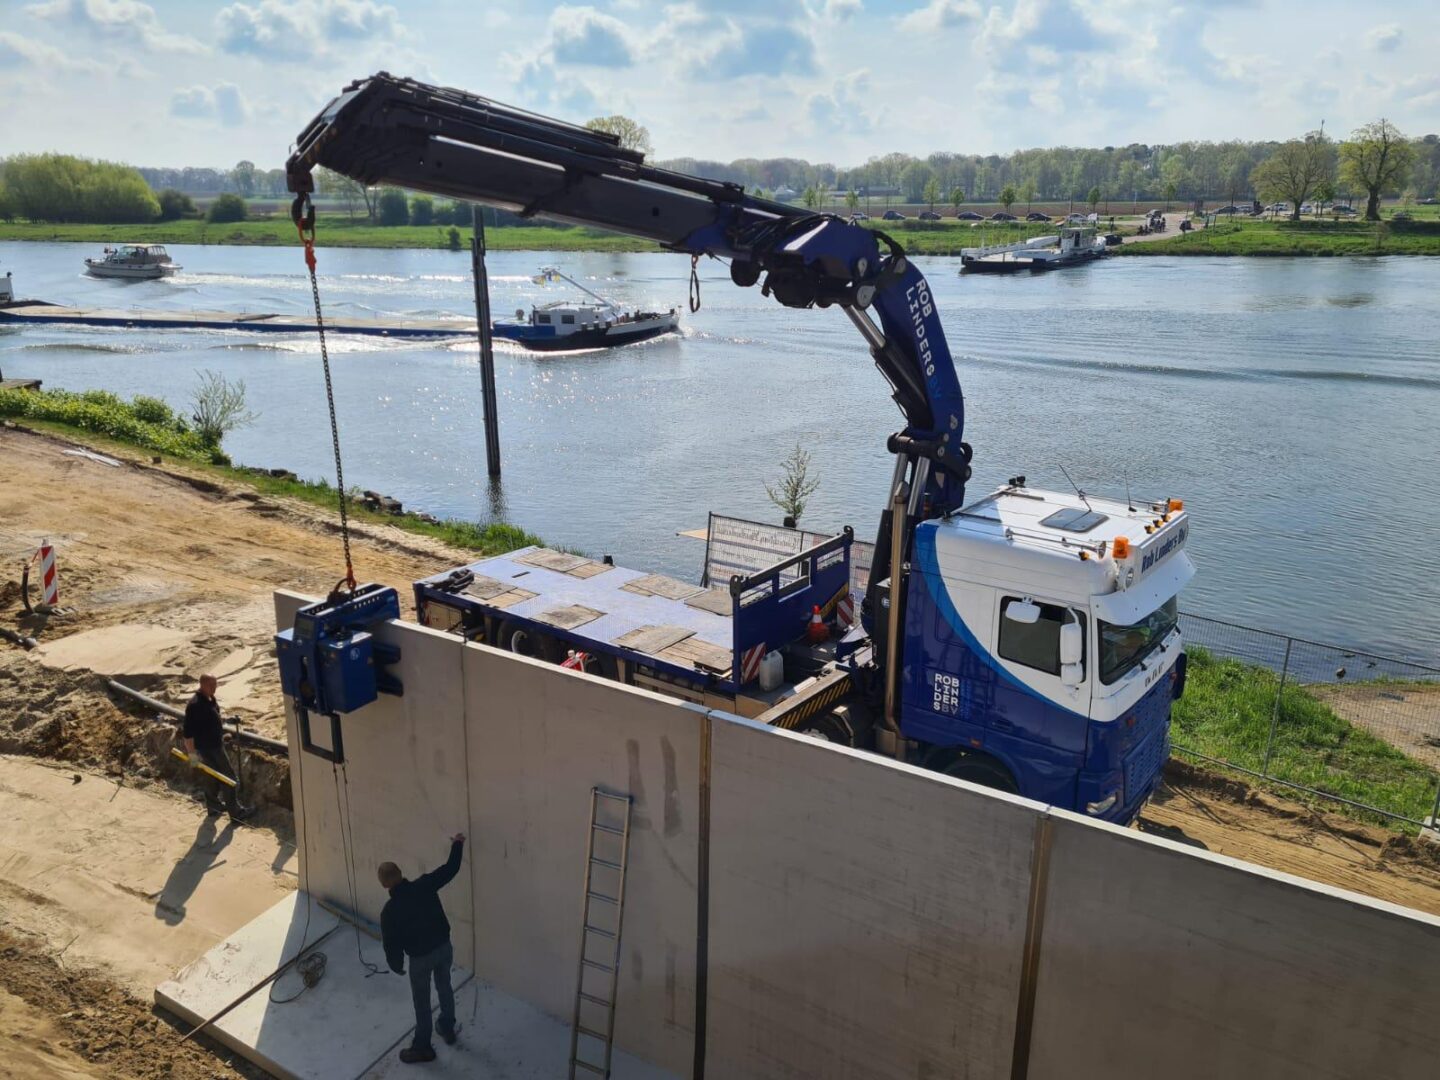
1347, 725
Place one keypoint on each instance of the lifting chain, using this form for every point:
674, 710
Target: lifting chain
302, 212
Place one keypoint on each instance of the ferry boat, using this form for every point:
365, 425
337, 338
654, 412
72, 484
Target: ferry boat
133, 262
583, 324
1071, 247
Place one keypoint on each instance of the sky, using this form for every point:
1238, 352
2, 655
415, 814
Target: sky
189, 82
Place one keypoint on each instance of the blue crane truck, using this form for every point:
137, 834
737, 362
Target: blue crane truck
1026, 640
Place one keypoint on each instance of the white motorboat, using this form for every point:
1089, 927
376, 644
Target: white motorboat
597, 323
135, 262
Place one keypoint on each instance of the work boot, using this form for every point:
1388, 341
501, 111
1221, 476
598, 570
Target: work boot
415, 1055
241, 813
447, 1033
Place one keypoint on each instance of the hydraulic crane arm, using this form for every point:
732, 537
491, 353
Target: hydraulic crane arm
426, 138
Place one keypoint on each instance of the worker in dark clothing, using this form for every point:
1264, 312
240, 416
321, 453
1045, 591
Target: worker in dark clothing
204, 736
413, 924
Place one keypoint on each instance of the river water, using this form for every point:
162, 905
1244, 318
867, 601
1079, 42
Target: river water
1294, 404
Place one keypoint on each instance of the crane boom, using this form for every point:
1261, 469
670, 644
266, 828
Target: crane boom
398, 131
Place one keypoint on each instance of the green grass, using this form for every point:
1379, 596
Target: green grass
948, 236
330, 231
1323, 238
112, 433
1226, 713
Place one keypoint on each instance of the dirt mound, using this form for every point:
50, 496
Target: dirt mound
100, 1023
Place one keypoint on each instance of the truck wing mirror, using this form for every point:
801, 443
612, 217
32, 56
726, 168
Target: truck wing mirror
1072, 675
1026, 612
1072, 644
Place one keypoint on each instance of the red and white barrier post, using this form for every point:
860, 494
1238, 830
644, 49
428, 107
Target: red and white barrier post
49, 578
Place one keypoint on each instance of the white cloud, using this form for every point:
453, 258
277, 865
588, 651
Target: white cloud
752, 50
300, 28
542, 88
22, 52
940, 15
582, 35
127, 20
222, 102
842, 109
1385, 38
839, 10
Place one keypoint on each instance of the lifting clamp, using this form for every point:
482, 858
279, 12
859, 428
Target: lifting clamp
331, 663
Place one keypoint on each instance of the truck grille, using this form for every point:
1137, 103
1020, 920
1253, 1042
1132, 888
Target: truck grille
1142, 764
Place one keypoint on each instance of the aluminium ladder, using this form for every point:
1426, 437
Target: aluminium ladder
601, 916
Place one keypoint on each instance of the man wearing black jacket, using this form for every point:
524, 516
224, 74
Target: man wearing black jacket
204, 735
413, 924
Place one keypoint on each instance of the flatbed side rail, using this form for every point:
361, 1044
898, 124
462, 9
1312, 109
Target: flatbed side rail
771, 607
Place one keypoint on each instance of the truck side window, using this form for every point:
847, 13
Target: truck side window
1036, 644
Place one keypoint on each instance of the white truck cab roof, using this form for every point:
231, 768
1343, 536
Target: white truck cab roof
1124, 558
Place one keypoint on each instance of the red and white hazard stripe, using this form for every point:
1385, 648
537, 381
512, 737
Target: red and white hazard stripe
750, 663
47, 574
845, 610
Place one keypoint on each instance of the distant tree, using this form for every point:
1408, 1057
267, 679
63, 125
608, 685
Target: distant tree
632, 136
1093, 198
1027, 192
957, 198
1294, 170
422, 210
810, 197
393, 208
852, 200
227, 207
932, 192
175, 205
58, 187
350, 193
1377, 159
795, 486
1008, 195
1171, 187
1324, 193
243, 177
1234, 174
452, 238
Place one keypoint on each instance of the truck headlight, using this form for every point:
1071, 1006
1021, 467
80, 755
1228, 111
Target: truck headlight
1103, 805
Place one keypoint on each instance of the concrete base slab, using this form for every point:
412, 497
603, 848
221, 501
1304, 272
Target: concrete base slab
352, 1024
504, 1038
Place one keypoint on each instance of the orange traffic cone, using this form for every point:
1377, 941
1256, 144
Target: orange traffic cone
817, 631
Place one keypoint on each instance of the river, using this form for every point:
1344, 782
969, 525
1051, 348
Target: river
1294, 404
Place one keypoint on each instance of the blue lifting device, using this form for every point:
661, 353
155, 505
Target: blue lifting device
331, 663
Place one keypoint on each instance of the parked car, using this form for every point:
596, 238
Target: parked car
859, 216
1427, 202
969, 215
929, 215
1077, 217
1035, 215
1227, 210
893, 215
1278, 208
1347, 211
1403, 215
1001, 215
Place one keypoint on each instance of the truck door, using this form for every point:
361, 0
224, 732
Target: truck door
1046, 703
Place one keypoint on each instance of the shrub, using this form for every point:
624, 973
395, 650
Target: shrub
393, 207
175, 205
103, 414
227, 207
422, 210
101, 397
452, 238
219, 408
152, 410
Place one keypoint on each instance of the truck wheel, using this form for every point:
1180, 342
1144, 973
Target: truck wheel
834, 726
985, 771
516, 639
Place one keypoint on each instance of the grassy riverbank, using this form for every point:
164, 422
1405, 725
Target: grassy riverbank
1322, 238
331, 231
110, 425
1226, 713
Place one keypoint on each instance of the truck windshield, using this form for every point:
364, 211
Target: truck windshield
1122, 647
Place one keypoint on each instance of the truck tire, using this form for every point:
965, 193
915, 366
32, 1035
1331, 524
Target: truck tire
982, 770
516, 639
833, 726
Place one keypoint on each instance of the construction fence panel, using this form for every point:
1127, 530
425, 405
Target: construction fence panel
1356, 727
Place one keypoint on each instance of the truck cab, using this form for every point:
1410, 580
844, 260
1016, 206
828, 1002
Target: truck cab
1041, 645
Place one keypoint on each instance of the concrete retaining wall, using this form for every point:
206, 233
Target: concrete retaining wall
817, 912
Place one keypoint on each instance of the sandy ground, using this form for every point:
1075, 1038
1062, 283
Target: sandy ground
1405, 715
109, 878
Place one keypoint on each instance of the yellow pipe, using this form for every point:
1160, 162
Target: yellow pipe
176, 752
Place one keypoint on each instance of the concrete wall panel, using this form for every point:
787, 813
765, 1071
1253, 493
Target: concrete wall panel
866, 919
1158, 960
540, 739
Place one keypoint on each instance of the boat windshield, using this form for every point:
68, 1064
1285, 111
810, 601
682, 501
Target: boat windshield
1122, 647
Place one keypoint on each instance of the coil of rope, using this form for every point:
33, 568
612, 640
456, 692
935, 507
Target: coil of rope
302, 213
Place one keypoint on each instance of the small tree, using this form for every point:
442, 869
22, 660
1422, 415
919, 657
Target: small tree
1093, 198
1008, 195
393, 207
452, 238
1028, 194
175, 205
1171, 188
422, 210
932, 192
796, 485
632, 136
852, 200
226, 208
1324, 194
957, 198
810, 197
218, 407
